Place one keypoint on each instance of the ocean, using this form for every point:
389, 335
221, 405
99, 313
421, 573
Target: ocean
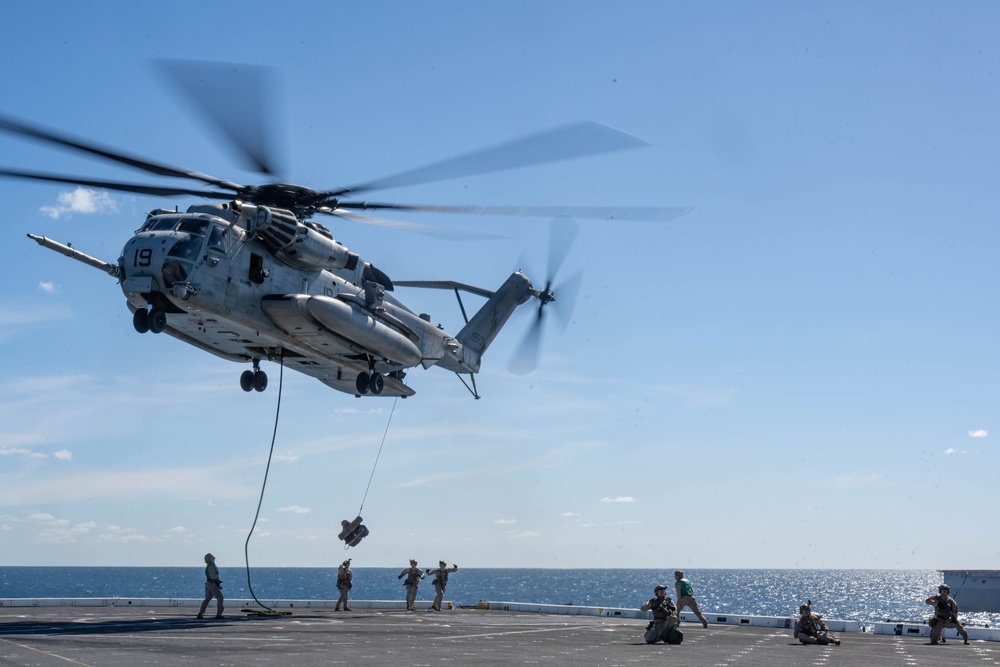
865, 596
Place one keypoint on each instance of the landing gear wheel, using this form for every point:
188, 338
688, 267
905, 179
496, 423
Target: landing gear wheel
362, 383
157, 320
259, 381
140, 320
246, 381
376, 383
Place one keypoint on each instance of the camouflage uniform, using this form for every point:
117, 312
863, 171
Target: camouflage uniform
810, 629
213, 587
413, 576
345, 579
945, 615
440, 582
664, 617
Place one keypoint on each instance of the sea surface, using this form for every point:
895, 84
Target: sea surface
866, 596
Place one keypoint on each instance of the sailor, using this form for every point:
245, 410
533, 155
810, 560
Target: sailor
345, 580
945, 615
664, 615
440, 582
413, 576
213, 587
685, 597
810, 628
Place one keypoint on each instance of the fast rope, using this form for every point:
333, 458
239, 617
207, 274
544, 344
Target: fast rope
393, 410
274, 435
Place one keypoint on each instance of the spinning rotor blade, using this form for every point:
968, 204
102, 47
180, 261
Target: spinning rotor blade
233, 98
16, 127
448, 233
563, 143
562, 234
114, 185
652, 213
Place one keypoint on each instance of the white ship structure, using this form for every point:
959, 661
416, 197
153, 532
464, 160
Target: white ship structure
974, 590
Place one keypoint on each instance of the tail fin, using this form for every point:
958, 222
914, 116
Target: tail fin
484, 326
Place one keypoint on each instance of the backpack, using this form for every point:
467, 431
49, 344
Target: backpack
674, 636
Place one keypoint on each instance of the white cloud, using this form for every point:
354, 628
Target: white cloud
505, 522
981, 433
286, 458
523, 536
21, 451
4, 527
64, 455
178, 529
618, 499
82, 200
295, 508
851, 481
47, 286
41, 516
570, 514
950, 451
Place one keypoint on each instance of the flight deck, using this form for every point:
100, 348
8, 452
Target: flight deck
121, 636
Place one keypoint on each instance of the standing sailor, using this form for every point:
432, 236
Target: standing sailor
345, 580
213, 587
413, 576
685, 597
945, 615
440, 582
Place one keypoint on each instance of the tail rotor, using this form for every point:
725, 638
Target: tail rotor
562, 233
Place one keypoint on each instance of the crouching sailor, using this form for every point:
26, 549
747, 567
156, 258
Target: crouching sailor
945, 615
663, 627
353, 532
810, 628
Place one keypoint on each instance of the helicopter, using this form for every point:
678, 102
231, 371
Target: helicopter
249, 275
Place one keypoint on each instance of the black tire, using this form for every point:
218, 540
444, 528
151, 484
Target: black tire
157, 319
361, 384
140, 320
376, 383
246, 381
260, 381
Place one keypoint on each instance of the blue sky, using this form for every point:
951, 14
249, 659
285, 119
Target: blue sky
801, 372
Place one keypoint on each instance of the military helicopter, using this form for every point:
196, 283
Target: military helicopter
249, 275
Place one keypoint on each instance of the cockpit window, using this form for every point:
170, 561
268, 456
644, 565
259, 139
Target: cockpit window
218, 238
194, 226
164, 224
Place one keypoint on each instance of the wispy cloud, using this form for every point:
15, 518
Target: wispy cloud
950, 451
981, 433
528, 534
83, 201
851, 481
297, 509
21, 451
570, 514
618, 499
505, 522
64, 455
47, 286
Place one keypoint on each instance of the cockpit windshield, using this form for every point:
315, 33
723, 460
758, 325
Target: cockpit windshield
190, 225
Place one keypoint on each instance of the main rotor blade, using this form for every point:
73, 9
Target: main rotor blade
567, 294
650, 213
562, 233
447, 233
17, 127
234, 99
563, 143
114, 185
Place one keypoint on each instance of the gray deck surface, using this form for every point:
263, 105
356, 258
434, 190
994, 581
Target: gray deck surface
112, 637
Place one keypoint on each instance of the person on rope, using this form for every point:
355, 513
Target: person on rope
413, 576
213, 587
440, 582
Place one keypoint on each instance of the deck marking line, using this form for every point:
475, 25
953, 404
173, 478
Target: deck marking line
48, 653
519, 632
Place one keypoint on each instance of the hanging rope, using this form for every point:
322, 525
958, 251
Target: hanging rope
393, 410
274, 435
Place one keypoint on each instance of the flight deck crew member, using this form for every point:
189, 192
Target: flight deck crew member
213, 587
685, 597
413, 576
810, 628
345, 580
440, 582
664, 615
945, 615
